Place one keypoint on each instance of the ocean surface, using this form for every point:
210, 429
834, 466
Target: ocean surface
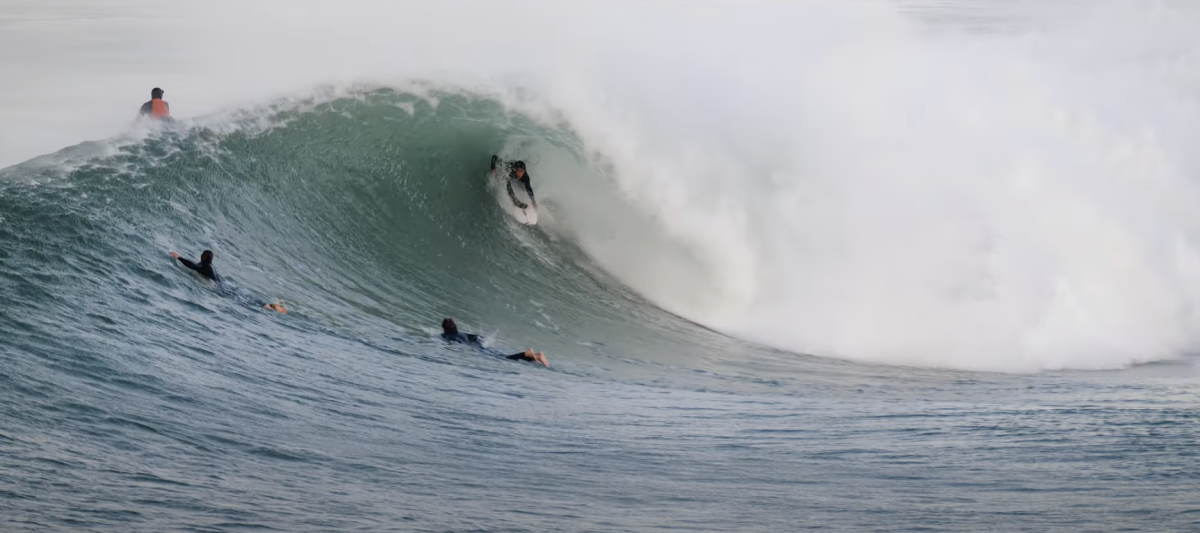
829, 266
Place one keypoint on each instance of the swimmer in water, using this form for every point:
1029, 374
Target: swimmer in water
205, 268
451, 334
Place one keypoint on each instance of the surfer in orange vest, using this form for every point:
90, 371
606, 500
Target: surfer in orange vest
156, 108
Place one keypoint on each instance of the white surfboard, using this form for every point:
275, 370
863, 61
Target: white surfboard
529, 215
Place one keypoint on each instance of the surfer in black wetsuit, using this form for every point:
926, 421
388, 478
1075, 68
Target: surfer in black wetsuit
516, 172
205, 268
451, 334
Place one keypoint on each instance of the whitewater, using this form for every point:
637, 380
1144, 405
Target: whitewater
846, 266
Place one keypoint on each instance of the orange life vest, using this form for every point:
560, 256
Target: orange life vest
159, 109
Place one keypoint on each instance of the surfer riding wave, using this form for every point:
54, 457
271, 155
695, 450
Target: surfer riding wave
516, 172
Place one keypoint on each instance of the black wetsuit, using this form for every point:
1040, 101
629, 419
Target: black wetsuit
205, 269
512, 176
471, 339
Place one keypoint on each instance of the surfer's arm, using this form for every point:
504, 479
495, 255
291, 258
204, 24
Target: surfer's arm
185, 262
516, 201
189, 264
204, 270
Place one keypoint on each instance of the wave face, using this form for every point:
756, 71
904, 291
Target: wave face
372, 212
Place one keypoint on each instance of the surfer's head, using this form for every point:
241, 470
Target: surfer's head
449, 327
156, 93
206, 257
519, 168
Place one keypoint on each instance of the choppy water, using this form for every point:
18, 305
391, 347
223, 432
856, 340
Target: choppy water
135, 396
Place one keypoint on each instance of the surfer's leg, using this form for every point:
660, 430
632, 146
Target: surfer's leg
529, 355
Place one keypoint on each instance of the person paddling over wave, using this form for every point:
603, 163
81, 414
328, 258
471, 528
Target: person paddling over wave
516, 172
205, 268
451, 334
156, 108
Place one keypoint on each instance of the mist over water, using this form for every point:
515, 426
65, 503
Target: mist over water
892, 194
